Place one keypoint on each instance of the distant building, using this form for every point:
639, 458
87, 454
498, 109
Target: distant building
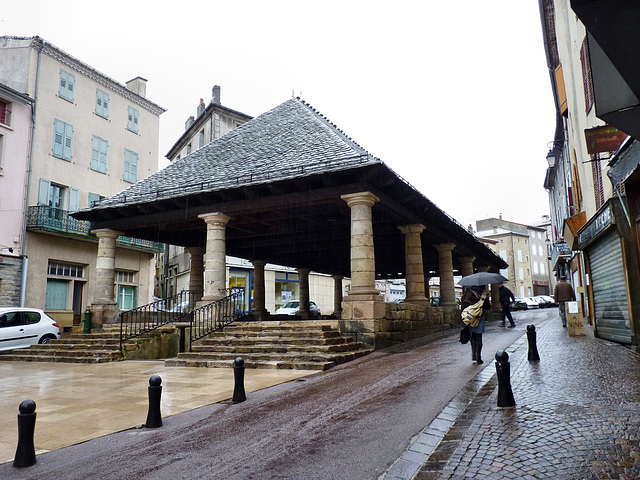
524, 248
91, 137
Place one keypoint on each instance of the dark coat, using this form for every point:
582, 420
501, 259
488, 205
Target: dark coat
506, 296
564, 292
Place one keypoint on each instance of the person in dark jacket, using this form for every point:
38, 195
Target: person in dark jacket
563, 293
506, 298
471, 296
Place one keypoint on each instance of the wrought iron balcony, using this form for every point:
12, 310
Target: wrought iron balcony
57, 220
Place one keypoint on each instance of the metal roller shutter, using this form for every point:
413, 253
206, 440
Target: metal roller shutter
610, 290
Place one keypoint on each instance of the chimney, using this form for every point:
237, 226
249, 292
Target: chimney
188, 123
501, 216
138, 85
470, 228
201, 108
216, 94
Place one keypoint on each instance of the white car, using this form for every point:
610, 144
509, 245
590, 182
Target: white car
531, 302
293, 308
22, 327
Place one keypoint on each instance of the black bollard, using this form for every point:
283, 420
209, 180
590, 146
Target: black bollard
503, 369
154, 418
26, 451
238, 374
533, 349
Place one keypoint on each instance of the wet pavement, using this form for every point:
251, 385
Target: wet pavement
577, 416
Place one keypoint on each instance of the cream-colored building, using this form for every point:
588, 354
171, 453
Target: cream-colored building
92, 137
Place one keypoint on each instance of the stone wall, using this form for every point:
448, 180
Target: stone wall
10, 278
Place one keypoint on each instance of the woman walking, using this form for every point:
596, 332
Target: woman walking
472, 296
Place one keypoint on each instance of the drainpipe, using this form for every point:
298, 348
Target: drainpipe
25, 258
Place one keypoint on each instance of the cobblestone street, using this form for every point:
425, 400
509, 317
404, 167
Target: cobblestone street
577, 416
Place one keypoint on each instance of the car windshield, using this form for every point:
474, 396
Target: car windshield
291, 305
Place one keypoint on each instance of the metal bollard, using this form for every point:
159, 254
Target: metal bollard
533, 349
154, 418
503, 369
238, 374
26, 451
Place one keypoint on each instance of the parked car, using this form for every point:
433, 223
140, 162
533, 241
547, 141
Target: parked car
546, 301
293, 308
519, 304
22, 327
531, 303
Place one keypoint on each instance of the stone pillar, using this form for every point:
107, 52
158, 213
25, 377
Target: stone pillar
303, 274
104, 291
445, 265
104, 308
215, 273
413, 263
363, 263
467, 266
363, 307
259, 310
196, 273
337, 295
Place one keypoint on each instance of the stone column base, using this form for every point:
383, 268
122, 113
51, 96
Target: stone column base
260, 315
366, 331
359, 307
102, 314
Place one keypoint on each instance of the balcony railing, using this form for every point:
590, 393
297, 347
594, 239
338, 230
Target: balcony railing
50, 219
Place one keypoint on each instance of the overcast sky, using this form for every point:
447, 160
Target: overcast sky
454, 96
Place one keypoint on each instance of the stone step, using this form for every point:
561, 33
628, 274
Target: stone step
239, 347
268, 364
77, 351
87, 341
239, 340
53, 358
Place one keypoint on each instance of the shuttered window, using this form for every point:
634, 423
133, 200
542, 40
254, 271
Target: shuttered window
102, 103
67, 85
132, 119
586, 75
62, 140
130, 166
99, 148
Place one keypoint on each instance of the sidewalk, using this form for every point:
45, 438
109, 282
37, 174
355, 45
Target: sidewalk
577, 416
78, 402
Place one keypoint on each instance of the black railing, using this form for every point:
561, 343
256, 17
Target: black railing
146, 318
209, 318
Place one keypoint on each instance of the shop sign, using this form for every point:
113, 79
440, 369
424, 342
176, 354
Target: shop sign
595, 227
603, 139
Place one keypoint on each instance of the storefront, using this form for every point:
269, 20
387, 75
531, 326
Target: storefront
287, 288
603, 241
241, 282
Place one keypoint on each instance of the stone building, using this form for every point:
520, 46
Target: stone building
91, 138
289, 188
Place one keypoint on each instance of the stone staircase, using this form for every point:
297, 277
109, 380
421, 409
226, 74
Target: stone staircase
301, 345
98, 347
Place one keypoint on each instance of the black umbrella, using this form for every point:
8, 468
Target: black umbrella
481, 278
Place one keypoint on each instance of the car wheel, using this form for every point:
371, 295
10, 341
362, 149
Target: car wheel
46, 340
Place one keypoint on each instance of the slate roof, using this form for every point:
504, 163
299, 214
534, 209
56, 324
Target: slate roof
290, 141
280, 178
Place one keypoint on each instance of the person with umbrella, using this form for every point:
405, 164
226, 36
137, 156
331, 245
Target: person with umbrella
476, 298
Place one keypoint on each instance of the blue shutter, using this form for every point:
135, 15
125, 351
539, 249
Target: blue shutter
102, 103
43, 193
67, 85
94, 198
74, 199
132, 119
58, 138
99, 148
68, 141
130, 166
56, 296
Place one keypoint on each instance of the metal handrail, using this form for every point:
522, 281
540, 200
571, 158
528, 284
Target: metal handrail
146, 318
214, 316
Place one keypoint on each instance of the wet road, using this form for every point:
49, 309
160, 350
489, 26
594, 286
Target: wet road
351, 422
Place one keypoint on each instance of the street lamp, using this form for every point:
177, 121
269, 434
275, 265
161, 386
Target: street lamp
551, 158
